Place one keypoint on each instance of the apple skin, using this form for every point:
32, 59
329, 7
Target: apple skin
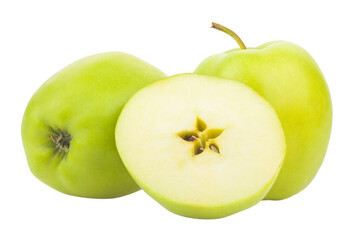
205, 212
289, 78
84, 99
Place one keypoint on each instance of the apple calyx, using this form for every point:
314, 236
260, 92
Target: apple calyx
201, 137
230, 33
61, 141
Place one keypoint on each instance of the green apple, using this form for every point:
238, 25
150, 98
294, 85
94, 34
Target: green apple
68, 126
288, 77
203, 147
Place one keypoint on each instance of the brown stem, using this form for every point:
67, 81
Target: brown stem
230, 33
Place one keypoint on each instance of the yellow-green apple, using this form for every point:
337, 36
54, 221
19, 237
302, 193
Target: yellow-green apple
288, 77
68, 126
201, 146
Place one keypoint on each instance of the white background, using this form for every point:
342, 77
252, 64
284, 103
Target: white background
38, 38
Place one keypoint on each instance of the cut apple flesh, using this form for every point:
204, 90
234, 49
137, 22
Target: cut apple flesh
203, 147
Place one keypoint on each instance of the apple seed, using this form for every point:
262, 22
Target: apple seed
214, 148
190, 138
199, 150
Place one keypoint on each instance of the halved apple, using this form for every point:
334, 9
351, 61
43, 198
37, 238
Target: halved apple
203, 147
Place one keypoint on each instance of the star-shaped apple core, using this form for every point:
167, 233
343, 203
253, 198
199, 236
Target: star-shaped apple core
202, 137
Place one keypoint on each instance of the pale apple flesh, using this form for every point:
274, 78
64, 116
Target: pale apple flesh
202, 147
68, 126
288, 77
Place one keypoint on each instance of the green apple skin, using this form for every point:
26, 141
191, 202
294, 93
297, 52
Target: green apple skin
289, 78
205, 212
84, 99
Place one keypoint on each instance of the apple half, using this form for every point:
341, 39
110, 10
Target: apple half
203, 147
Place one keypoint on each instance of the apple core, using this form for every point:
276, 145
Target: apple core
202, 137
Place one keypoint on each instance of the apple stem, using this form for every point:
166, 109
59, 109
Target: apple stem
230, 33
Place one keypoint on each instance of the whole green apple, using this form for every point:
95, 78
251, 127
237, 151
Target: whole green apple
68, 129
288, 77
